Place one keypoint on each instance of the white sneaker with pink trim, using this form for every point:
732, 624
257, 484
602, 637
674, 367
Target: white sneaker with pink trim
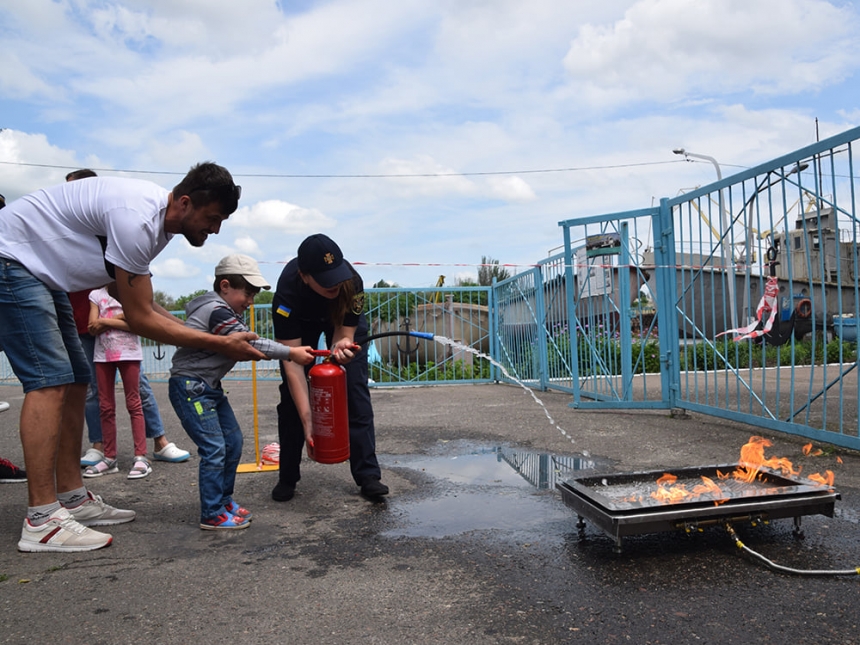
61, 533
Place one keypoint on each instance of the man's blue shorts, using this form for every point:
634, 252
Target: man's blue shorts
37, 331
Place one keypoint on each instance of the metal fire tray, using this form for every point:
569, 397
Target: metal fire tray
620, 504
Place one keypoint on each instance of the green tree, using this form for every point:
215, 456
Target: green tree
164, 300
490, 269
388, 307
264, 298
184, 300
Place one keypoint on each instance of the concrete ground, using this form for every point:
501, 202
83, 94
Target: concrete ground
503, 566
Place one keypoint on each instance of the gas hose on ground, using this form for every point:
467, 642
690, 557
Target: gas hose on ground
778, 567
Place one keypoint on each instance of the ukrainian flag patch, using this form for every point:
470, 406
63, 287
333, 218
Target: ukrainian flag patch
284, 311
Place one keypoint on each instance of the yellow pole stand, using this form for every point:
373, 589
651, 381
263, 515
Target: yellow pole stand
258, 466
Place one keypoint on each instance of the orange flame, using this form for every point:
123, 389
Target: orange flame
752, 460
668, 492
825, 480
807, 450
708, 486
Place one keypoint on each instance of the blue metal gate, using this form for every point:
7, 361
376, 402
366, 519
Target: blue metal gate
754, 286
533, 327
615, 345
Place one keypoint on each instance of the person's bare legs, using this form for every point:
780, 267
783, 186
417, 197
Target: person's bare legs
41, 418
71, 436
52, 426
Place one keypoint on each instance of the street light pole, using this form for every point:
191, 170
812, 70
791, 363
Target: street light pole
728, 261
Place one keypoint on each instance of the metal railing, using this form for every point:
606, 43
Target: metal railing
461, 314
739, 299
754, 279
532, 326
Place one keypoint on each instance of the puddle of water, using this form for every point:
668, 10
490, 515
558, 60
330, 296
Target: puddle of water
491, 489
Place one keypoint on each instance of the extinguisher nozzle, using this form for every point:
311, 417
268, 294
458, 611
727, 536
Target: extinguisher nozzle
421, 334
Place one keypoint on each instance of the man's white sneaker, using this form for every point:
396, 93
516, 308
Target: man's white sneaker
61, 533
94, 512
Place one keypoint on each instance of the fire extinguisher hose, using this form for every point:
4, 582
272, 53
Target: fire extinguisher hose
415, 334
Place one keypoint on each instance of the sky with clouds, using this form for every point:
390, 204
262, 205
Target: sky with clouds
421, 135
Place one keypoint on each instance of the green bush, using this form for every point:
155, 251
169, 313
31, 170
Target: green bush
414, 372
601, 355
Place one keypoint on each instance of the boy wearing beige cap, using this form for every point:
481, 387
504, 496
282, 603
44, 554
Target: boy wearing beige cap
196, 392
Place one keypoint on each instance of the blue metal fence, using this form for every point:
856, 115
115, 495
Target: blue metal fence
754, 281
739, 299
532, 326
461, 314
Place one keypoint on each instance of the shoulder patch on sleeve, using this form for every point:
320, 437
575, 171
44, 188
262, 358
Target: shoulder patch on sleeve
358, 303
284, 311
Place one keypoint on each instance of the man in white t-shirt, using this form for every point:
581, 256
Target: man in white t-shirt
82, 235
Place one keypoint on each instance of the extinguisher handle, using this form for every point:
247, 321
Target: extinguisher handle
327, 352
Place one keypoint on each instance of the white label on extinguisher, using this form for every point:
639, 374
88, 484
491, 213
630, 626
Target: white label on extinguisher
323, 410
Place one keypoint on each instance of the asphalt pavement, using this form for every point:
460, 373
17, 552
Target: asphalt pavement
464, 550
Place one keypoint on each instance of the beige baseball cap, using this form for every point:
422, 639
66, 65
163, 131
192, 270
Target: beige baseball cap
247, 267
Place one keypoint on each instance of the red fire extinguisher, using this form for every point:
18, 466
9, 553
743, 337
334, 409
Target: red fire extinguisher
329, 413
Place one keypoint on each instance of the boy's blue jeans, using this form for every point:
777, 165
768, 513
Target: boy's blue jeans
208, 419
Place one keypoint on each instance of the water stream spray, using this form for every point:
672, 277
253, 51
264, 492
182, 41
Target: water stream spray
443, 340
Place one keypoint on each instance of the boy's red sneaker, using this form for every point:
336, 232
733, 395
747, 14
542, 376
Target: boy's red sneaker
224, 522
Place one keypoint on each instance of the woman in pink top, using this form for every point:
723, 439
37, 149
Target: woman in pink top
117, 349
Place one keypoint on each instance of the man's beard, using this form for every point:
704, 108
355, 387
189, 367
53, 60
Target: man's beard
196, 239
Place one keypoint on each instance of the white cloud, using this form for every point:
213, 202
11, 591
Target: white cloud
222, 57
511, 189
438, 180
425, 177
174, 268
668, 49
19, 149
291, 96
277, 215
247, 245
849, 116
180, 149
18, 80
